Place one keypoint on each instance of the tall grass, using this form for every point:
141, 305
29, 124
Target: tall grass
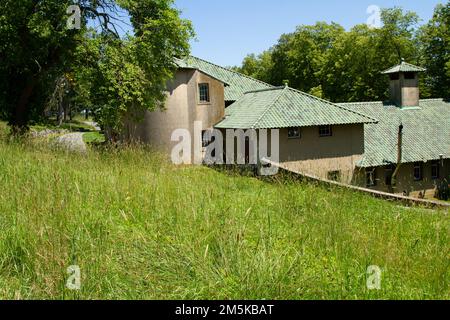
140, 228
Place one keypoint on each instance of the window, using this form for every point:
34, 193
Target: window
325, 131
203, 92
417, 171
371, 177
334, 175
294, 133
388, 172
410, 75
395, 76
435, 170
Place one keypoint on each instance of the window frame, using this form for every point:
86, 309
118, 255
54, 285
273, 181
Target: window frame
299, 136
435, 165
372, 172
208, 93
329, 131
419, 166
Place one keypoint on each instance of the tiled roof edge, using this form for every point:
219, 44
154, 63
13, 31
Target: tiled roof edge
229, 70
335, 105
270, 106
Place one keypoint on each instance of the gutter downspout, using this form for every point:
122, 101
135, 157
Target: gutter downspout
399, 157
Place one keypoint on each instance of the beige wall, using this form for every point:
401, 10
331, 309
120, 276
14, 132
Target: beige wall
319, 155
182, 109
405, 179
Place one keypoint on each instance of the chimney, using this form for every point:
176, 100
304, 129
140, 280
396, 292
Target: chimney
404, 84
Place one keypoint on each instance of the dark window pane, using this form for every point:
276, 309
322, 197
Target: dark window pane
410, 75
418, 171
395, 76
388, 176
325, 131
203, 89
435, 170
294, 133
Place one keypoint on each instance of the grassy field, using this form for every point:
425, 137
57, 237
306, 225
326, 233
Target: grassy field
142, 229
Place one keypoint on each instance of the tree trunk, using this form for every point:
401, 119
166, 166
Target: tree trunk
19, 121
59, 117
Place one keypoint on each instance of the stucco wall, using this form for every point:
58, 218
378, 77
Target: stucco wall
320, 155
405, 180
317, 155
182, 109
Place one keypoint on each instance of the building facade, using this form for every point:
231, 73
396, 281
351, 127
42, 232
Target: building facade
354, 143
412, 135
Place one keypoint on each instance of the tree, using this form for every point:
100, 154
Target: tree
435, 40
128, 76
34, 42
258, 67
36, 47
338, 65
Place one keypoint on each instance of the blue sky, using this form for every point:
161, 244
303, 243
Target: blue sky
228, 30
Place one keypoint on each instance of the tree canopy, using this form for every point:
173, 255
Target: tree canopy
112, 74
330, 62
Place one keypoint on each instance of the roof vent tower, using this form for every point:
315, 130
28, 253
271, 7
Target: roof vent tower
404, 85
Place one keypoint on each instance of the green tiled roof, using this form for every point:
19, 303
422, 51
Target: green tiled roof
237, 84
426, 133
404, 67
284, 107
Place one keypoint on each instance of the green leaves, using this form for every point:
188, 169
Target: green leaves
435, 44
338, 65
128, 76
115, 77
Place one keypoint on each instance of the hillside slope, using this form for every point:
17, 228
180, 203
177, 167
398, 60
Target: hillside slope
142, 229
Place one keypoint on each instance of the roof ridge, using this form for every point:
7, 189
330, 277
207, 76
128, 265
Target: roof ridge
433, 99
360, 102
379, 101
403, 63
333, 104
267, 89
410, 64
238, 73
270, 106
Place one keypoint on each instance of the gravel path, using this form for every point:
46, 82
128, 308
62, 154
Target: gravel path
93, 124
72, 142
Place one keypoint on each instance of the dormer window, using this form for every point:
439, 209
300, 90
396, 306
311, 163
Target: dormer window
203, 93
